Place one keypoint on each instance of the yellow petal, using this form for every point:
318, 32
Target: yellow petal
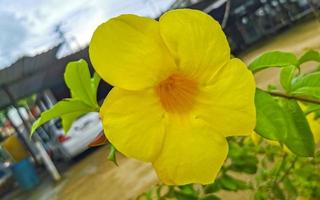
196, 41
313, 123
227, 104
191, 153
128, 52
314, 126
133, 122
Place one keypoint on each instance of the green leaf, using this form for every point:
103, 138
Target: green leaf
66, 106
213, 187
95, 80
286, 76
78, 80
307, 85
312, 108
308, 80
188, 190
248, 165
229, 183
112, 154
313, 92
242, 159
271, 123
310, 55
273, 59
68, 119
299, 138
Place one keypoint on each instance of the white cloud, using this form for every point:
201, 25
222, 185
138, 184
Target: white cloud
27, 27
13, 34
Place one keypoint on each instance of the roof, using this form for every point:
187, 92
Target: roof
31, 75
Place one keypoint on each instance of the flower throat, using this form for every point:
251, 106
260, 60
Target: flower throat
177, 93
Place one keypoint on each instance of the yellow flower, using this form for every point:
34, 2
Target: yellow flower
177, 94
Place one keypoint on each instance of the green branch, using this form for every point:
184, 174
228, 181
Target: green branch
287, 171
279, 169
304, 99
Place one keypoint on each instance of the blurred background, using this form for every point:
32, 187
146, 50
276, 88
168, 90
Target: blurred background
37, 40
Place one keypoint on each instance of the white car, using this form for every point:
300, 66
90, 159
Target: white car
82, 132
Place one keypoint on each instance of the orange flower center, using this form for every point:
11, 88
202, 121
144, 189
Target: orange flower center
177, 93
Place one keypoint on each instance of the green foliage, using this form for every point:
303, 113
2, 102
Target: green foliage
242, 158
312, 108
273, 59
307, 85
298, 176
77, 78
289, 187
112, 154
228, 183
69, 118
232, 184
310, 55
287, 124
286, 76
83, 91
271, 122
212, 188
299, 138
61, 109
279, 117
185, 192
95, 80
282, 59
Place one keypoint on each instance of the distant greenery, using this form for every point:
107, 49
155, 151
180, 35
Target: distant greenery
265, 170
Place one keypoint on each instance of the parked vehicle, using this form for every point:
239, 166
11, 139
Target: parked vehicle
82, 132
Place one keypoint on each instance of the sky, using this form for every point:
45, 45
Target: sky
29, 27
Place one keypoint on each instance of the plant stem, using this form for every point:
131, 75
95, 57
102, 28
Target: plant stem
288, 170
282, 164
304, 99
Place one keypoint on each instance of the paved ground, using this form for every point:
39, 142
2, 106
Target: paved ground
95, 178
